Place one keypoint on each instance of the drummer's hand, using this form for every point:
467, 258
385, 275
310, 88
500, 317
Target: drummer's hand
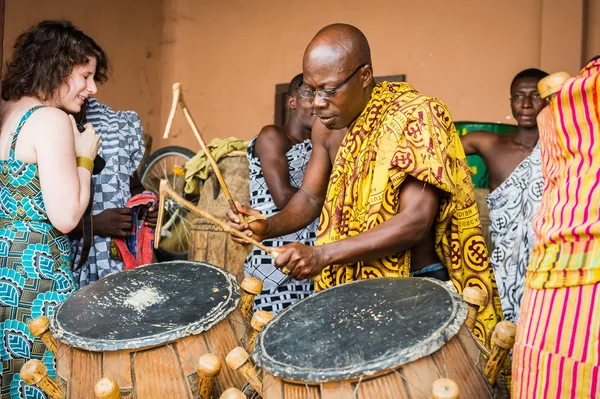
257, 229
116, 222
302, 261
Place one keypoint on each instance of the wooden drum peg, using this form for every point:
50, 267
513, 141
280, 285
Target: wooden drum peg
238, 359
251, 286
39, 328
232, 393
258, 321
444, 388
503, 339
552, 84
34, 372
475, 297
208, 368
107, 388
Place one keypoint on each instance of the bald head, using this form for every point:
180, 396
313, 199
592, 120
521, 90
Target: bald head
339, 43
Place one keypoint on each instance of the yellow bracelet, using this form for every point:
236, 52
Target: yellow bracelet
85, 162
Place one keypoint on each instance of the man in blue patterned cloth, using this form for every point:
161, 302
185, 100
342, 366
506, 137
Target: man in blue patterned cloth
278, 157
122, 147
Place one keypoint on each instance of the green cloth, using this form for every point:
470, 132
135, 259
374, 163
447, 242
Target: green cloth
198, 167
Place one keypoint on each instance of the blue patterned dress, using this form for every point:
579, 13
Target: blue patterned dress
34, 270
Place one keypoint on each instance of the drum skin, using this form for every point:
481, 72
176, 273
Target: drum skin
154, 353
380, 338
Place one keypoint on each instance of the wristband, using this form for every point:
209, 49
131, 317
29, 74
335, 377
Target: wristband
85, 162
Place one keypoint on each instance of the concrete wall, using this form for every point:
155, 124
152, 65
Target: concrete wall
230, 54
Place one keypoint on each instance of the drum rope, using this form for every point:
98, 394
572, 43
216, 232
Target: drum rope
355, 393
425, 394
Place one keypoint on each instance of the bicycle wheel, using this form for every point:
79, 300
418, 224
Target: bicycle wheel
169, 163
166, 163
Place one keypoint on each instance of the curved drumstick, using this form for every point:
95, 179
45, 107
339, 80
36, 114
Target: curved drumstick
178, 100
166, 190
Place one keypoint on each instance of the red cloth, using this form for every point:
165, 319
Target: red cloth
137, 249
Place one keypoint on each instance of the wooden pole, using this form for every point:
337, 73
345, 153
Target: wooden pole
107, 388
259, 319
503, 339
34, 372
232, 393
475, 297
250, 287
208, 368
238, 359
444, 388
39, 328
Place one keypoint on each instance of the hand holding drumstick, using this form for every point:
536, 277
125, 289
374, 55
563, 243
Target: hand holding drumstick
167, 191
296, 260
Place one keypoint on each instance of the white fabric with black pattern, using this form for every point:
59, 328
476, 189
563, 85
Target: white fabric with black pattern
512, 207
278, 290
122, 147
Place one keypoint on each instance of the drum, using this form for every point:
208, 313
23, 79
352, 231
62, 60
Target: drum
146, 329
209, 243
378, 338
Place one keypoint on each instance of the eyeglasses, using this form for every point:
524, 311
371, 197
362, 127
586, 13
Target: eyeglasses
312, 93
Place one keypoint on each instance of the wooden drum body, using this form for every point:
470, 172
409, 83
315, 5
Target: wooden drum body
209, 243
146, 328
380, 338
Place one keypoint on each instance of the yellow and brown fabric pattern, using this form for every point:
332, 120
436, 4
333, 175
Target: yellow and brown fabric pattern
400, 133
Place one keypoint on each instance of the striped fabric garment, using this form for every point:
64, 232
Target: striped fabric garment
567, 224
557, 351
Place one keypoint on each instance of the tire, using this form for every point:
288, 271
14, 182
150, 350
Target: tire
164, 152
167, 154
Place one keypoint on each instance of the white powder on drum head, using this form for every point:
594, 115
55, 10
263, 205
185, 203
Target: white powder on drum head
143, 298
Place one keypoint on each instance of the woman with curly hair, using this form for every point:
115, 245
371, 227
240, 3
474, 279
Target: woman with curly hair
45, 170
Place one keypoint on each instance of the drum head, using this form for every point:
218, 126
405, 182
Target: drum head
360, 328
146, 306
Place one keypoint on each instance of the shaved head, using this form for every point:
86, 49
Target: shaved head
337, 64
339, 42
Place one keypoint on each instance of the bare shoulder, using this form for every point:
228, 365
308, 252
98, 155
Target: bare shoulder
271, 138
330, 139
50, 120
272, 133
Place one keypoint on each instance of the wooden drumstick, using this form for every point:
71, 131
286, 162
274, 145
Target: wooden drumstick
178, 100
167, 191
475, 297
208, 368
251, 286
444, 388
238, 359
107, 388
34, 372
552, 84
232, 393
503, 339
39, 328
259, 319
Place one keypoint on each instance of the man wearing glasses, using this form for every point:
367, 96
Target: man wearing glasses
394, 193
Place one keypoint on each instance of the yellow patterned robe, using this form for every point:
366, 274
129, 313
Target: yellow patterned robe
402, 132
